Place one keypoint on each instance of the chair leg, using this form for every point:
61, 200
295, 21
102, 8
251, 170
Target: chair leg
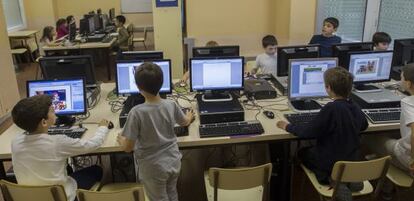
145, 45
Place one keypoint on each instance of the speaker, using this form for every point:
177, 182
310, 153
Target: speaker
123, 167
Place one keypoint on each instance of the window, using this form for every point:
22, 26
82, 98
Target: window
396, 18
351, 16
14, 14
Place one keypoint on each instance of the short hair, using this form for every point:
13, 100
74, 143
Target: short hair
121, 19
333, 21
408, 72
339, 80
381, 37
69, 18
149, 77
269, 40
59, 22
212, 43
28, 112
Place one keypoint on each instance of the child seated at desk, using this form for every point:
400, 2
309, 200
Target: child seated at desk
336, 128
41, 159
381, 41
149, 132
48, 39
267, 62
62, 28
123, 34
328, 37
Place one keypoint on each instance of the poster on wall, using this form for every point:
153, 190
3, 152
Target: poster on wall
166, 3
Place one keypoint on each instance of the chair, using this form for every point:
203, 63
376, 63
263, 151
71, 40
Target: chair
250, 65
115, 191
238, 184
141, 40
399, 178
16, 53
16, 192
345, 171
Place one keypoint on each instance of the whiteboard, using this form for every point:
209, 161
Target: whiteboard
136, 6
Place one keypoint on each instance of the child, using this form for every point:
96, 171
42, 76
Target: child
70, 19
41, 159
381, 41
336, 127
62, 28
149, 132
327, 38
123, 34
49, 33
267, 62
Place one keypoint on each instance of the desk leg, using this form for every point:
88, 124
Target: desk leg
2, 171
108, 62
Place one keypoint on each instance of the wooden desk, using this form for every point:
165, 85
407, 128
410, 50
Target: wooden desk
106, 47
24, 36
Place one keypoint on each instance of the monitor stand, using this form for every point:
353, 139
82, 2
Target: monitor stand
214, 96
305, 105
65, 121
363, 88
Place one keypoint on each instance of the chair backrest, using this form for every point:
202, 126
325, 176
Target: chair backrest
240, 178
130, 194
16, 192
360, 171
145, 33
130, 29
131, 42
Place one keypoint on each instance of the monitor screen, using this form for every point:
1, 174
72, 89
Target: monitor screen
97, 22
371, 66
284, 54
126, 76
68, 96
403, 52
216, 73
306, 77
218, 51
65, 67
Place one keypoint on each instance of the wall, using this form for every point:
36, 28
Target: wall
302, 21
281, 17
40, 13
8, 95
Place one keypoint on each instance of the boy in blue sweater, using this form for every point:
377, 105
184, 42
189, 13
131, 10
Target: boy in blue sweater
327, 38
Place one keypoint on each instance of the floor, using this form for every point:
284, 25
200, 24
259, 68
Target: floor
308, 193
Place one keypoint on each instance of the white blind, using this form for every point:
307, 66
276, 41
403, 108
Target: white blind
397, 18
351, 16
14, 14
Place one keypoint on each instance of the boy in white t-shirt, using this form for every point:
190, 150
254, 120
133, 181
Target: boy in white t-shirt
266, 63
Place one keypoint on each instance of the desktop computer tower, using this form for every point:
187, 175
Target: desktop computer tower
281, 83
382, 99
219, 112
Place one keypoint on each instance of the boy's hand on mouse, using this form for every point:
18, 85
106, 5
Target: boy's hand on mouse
104, 122
282, 124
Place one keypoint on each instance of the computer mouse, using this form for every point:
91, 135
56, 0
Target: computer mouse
269, 114
110, 125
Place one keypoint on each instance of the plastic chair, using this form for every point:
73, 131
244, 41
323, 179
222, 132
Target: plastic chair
116, 191
399, 178
346, 171
16, 192
238, 184
142, 39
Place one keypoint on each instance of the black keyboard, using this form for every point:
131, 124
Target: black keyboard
231, 129
108, 38
70, 132
384, 115
301, 118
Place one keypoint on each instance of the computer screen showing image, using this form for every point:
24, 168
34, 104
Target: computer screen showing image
369, 67
209, 74
125, 74
68, 96
306, 77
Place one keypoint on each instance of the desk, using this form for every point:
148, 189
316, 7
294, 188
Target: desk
106, 47
24, 36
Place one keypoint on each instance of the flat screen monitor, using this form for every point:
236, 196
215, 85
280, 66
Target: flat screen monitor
65, 67
284, 54
72, 31
306, 78
68, 96
141, 55
403, 52
216, 74
91, 23
125, 77
112, 14
341, 51
104, 21
218, 51
84, 26
370, 67
97, 22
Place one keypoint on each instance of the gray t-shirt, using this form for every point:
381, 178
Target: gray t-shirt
151, 126
267, 63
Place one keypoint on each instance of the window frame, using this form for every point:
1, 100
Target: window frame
22, 15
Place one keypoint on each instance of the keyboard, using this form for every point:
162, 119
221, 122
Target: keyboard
181, 131
231, 129
301, 118
383, 115
108, 38
70, 132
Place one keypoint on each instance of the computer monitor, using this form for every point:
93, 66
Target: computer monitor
68, 95
341, 51
111, 14
91, 23
84, 26
403, 52
141, 55
216, 74
370, 67
65, 67
284, 54
125, 77
72, 31
97, 22
218, 51
306, 81
104, 20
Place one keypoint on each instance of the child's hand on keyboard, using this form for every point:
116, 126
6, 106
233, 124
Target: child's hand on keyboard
282, 124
